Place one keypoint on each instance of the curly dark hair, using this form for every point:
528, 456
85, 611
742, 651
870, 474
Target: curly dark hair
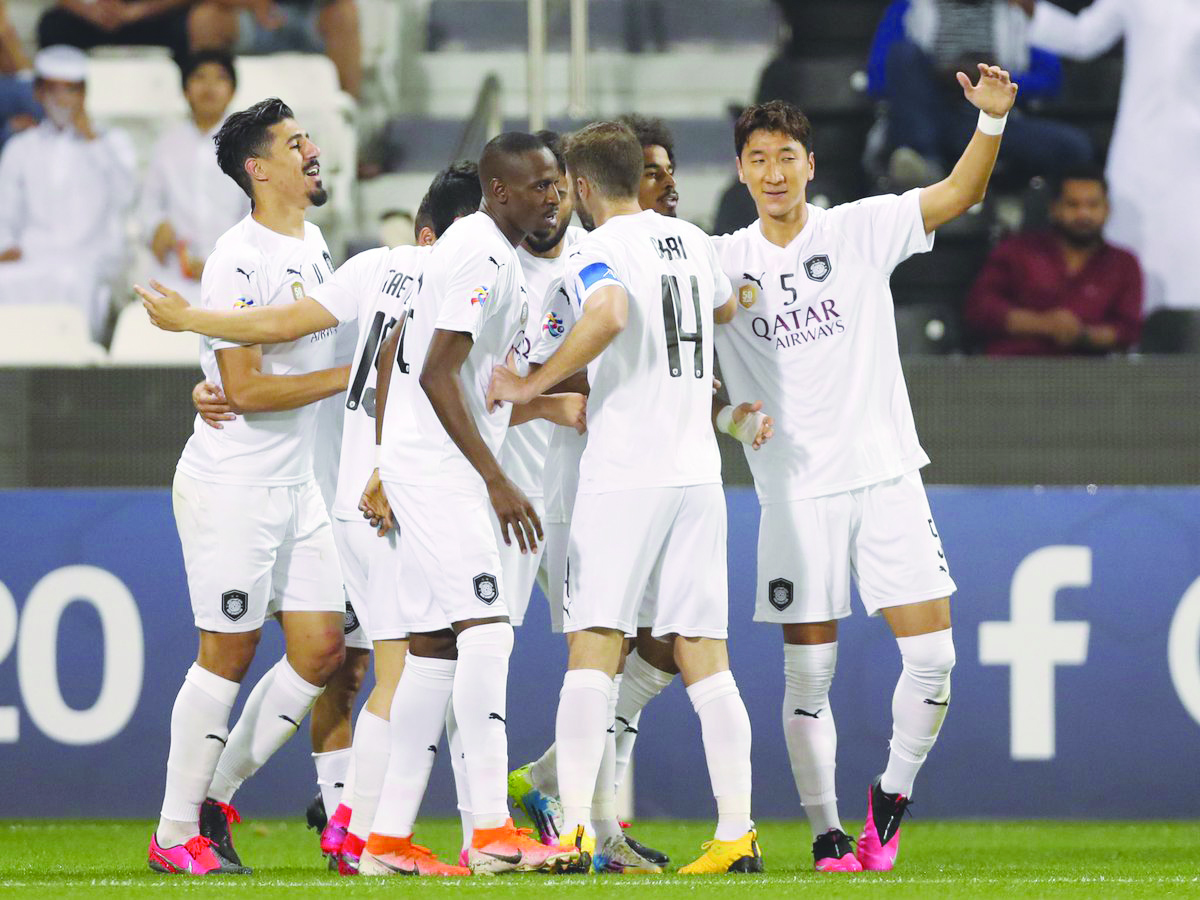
650, 132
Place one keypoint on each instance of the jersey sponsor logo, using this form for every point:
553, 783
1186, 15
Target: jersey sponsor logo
351, 620
480, 296
802, 325
554, 325
243, 302
234, 605
486, 588
818, 267
780, 593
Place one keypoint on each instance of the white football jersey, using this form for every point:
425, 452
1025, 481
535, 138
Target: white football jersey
370, 290
561, 480
523, 456
472, 284
650, 407
815, 341
253, 266
331, 417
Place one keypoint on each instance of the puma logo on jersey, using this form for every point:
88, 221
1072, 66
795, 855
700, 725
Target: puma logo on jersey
244, 272
757, 280
293, 271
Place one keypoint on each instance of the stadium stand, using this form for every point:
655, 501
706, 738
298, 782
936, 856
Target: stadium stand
136, 342
46, 335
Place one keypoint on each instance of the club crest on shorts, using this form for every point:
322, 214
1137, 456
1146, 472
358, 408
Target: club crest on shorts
780, 593
486, 588
818, 267
234, 605
351, 620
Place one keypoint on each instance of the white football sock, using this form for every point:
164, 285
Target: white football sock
918, 706
462, 786
372, 747
199, 730
809, 730
273, 712
604, 798
580, 733
640, 684
417, 718
544, 772
332, 768
725, 727
480, 708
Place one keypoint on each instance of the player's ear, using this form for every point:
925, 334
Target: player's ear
253, 167
812, 166
426, 237
741, 175
499, 190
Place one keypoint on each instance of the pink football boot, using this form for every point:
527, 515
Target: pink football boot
879, 843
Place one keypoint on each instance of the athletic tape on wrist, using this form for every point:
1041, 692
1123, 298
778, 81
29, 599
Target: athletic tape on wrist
991, 124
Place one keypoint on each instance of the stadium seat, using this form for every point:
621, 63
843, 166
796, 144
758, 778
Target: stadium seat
136, 89
137, 342
46, 335
1171, 331
928, 329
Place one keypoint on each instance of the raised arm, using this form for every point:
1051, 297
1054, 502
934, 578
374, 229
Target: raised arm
966, 184
248, 390
1084, 35
604, 317
261, 325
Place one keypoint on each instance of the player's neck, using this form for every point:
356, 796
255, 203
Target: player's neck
285, 219
782, 230
612, 208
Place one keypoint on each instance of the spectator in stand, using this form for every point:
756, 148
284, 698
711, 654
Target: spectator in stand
18, 109
1064, 291
187, 201
919, 46
1155, 203
97, 23
276, 26
66, 187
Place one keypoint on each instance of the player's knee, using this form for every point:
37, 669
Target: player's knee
434, 645
929, 658
808, 668
228, 655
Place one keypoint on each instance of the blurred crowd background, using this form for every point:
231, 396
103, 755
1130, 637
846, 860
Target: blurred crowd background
107, 172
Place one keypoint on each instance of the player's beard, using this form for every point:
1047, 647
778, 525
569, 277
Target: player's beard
543, 241
318, 196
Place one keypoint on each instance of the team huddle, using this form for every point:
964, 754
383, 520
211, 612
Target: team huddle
424, 432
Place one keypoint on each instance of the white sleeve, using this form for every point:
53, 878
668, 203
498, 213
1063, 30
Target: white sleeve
587, 271
12, 189
343, 294
232, 280
1081, 36
722, 286
887, 229
472, 279
556, 323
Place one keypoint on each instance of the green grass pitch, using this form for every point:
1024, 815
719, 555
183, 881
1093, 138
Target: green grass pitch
939, 860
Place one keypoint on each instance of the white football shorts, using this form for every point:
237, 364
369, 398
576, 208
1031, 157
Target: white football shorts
253, 551
669, 541
883, 535
449, 564
369, 564
554, 565
520, 570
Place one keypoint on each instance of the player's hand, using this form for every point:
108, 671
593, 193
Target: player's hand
569, 410
994, 93
507, 386
716, 386
751, 421
210, 402
167, 309
375, 507
514, 511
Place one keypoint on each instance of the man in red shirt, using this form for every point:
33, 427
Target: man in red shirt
1063, 291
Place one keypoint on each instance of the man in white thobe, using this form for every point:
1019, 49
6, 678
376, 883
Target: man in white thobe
187, 201
65, 187
1155, 191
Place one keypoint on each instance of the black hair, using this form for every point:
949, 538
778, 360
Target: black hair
247, 134
777, 116
650, 132
190, 63
1080, 172
454, 192
493, 162
554, 143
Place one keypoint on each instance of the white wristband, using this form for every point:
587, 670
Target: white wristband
745, 431
990, 124
725, 419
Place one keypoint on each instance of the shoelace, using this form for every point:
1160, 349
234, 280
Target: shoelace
231, 814
197, 845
